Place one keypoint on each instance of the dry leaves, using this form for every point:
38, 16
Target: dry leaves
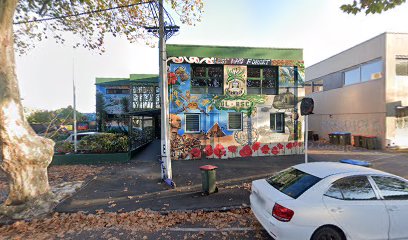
137, 221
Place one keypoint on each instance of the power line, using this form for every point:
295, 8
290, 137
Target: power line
83, 13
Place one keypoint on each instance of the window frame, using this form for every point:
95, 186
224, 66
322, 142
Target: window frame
405, 60
262, 78
360, 67
369, 180
283, 122
242, 121
377, 188
113, 91
206, 78
199, 122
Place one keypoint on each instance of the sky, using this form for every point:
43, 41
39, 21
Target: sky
45, 73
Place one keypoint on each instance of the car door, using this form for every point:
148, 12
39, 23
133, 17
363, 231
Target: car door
394, 191
354, 205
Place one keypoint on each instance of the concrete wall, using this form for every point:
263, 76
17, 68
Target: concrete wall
396, 88
364, 52
358, 108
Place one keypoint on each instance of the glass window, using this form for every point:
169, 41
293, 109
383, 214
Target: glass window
207, 79
352, 188
277, 122
262, 80
352, 76
234, 121
192, 122
292, 182
371, 71
317, 86
117, 91
392, 188
401, 67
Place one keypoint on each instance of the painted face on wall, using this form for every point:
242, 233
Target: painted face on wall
175, 122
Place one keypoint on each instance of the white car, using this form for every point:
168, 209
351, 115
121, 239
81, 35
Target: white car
80, 136
336, 201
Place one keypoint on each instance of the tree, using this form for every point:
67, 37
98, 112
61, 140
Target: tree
370, 6
24, 155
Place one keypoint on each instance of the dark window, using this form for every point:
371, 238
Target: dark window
192, 122
392, 188
234, 121
292, 182
262, 80
352, 188
117, 91
278, 122
207, 79
402, 66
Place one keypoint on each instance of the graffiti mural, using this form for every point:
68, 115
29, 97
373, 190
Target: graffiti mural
287, 77
113, 102
215, 138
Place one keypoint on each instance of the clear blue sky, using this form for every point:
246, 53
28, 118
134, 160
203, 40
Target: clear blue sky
317, 26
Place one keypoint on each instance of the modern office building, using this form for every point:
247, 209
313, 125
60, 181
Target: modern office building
363, 90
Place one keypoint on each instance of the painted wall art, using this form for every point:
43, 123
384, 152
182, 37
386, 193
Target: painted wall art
213, 135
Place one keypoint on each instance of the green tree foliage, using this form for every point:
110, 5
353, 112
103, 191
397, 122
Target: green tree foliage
57, 117
92, 28
370, 6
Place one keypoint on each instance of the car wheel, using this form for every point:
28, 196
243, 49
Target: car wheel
328, 233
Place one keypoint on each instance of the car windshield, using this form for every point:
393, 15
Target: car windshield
292, 182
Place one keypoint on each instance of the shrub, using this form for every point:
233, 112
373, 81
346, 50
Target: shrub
63, 147
104, 143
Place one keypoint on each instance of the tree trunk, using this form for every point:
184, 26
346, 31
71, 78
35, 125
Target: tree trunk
24, 155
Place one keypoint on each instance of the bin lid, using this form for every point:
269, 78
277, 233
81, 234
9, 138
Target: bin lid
370, 136
208, 167
356, 162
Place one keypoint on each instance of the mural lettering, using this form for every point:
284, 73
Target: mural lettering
262, 62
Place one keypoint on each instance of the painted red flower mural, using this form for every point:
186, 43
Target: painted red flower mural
275, 150
289, 145
280, 146
232, 149
256, 146
195, 153
219, 150
265, 149
172, 78
246, 151
208, 150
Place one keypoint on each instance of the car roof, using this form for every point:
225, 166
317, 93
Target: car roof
324, 169
87, 133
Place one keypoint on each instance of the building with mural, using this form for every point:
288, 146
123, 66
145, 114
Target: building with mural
363, 90
230, 102
118, 99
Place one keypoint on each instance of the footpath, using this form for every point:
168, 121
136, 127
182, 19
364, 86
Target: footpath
137, 184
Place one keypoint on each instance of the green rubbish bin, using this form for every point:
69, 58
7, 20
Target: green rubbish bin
358, 140
208, 175
370, 142
332, 138
344, 138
